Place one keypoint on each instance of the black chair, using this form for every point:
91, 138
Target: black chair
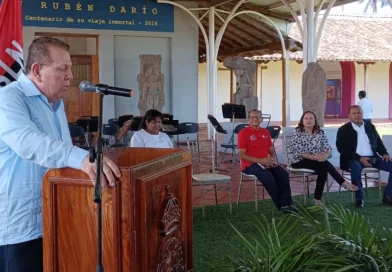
232, 145
77, 134
113, 121
218, 129
274, 132
123, 118
167, 116
90, 125
118, 145
188, 128
136, 122
266, 119
89, 116
110, 130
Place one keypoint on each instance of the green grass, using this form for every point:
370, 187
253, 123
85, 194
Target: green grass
213, 235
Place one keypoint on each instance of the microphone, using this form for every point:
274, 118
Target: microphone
88, 87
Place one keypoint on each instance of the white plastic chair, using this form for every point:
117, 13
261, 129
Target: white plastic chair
364, 175
244, 178
302, 172
203, 156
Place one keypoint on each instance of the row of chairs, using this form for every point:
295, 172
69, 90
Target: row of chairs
200, 149
306, 174
78, 132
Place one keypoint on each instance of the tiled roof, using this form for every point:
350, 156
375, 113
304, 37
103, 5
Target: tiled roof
349, 38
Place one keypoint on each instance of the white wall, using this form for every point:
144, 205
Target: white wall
127, 68
295, 90
223, 92
378, 88
332, 69
271, 82
184, 62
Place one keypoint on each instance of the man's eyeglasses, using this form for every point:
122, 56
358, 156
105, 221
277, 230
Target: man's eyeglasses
254, 117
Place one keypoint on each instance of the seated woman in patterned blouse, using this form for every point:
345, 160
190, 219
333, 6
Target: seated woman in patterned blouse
311, 150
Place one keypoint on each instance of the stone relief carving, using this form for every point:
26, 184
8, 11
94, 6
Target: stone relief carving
313, 91
150, 84
245, 71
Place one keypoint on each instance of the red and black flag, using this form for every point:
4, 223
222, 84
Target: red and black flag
11, 41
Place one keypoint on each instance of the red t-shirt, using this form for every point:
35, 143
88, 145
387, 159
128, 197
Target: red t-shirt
256, 143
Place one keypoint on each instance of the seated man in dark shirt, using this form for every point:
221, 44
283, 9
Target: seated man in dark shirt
360, 146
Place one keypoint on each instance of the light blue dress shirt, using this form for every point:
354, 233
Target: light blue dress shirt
34, 137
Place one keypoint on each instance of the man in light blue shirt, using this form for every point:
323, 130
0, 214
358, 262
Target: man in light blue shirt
34, 137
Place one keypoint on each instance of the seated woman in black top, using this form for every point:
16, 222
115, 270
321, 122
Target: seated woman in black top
311, 150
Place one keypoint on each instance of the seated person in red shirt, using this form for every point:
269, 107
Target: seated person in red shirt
257, 158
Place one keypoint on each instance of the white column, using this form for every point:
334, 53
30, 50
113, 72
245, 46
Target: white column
211, 98
310, 32
287, 89
366, 76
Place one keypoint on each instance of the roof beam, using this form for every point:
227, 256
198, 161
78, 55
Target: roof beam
260, 33
261, 25
228, 36
233, 38
242, 50
232, 24
279, 4
262, 30
272, 47
263, 11
214, 3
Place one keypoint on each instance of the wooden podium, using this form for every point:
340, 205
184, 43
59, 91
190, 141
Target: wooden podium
146, 217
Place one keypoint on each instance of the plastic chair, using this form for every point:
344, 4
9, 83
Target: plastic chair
233, 146
78, 133
218, 129
274, 132
202, 155
302, 172
364, 175
113, 121
266, 119
256, 184
188, 128
110, 130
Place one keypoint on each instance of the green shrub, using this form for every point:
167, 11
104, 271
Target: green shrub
328, 238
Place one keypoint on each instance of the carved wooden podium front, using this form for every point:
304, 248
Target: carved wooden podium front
146, 217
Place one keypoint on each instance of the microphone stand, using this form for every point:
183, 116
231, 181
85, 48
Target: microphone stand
98, 156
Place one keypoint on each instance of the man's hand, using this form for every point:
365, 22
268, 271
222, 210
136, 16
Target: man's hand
365, 162
268, 162
386, 158
109, 167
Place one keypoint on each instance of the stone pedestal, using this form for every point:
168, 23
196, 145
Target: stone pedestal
313, 91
